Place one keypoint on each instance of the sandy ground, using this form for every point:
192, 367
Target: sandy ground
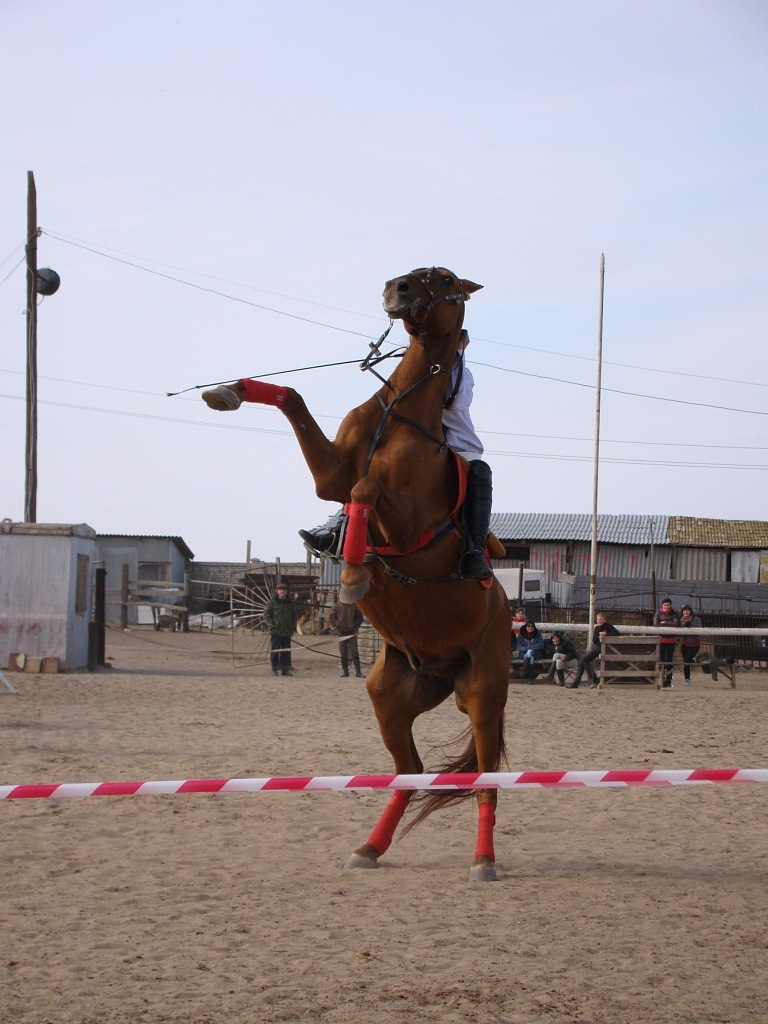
612, 906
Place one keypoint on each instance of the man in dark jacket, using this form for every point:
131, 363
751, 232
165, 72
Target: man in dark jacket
346, 619
280, 618
602, 628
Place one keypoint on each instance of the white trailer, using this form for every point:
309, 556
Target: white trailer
533, 588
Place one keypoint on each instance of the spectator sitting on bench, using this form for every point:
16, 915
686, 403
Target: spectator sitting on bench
530, 644
602, 628
564, 657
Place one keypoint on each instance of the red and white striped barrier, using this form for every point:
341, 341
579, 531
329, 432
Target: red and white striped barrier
442, 781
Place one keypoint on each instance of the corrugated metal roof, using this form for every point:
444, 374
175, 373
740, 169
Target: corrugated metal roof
178, 541
682, 531
720, 533
611, 529
47, 529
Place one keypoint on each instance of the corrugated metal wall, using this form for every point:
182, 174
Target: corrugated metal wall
38, 585
699, 564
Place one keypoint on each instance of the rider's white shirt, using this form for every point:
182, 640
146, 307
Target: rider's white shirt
459, 430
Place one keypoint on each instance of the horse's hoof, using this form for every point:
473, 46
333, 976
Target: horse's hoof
356, 861
354, 586
485, 872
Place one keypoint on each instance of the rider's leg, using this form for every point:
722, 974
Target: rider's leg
477, 514
323, 539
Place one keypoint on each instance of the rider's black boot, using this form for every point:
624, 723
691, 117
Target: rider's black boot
319, 541
477, 516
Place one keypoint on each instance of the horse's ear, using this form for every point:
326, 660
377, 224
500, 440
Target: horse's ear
468, 287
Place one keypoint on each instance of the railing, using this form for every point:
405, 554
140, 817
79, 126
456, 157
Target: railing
163, 598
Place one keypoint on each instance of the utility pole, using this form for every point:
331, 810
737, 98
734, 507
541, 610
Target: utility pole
39, 282
593, 554
30, 462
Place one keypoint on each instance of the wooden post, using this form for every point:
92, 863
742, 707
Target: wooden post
30, 457
124, 599
187, 595
99, 611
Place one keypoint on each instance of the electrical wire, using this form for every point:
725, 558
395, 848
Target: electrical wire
214, 291
12, 271
483, 431
629, 394
105, 249
289, 433
106, 253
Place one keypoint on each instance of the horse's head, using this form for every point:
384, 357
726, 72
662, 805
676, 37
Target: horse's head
429, 300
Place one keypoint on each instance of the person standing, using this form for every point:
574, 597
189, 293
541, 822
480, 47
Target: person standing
666, 616
689, 641
280, 617
518, 622
346, 620
602, 628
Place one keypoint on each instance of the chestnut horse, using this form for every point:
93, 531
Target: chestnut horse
401, 486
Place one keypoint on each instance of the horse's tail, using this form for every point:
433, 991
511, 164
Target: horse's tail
423, 803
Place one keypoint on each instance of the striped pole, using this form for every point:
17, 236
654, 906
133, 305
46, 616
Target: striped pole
440, 781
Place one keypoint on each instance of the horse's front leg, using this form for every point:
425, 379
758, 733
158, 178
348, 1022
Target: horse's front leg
398, 696
327, 462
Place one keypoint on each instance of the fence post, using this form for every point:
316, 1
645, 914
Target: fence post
124, 599
187, 593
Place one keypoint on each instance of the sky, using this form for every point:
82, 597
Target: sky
224, 187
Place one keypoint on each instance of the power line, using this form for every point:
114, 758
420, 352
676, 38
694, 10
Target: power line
631, 394
105, 249
628, 394
289, 433
106, 253
12, 270
484, 432
624, 366
214, 291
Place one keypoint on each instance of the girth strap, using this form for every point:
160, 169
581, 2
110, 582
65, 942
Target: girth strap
433, 533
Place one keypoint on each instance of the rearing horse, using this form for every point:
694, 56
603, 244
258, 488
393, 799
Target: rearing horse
401, 486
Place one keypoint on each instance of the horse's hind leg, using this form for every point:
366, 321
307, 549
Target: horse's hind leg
398, 695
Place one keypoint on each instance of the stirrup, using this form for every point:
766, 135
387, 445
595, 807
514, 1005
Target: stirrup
335, 545
473, 566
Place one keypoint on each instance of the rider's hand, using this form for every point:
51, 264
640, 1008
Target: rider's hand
222, 399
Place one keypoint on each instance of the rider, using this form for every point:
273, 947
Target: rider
461, 436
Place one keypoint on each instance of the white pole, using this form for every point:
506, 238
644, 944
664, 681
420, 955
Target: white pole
593, 555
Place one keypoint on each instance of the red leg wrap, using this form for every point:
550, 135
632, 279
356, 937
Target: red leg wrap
265, 394
356, 537
381, 837
485, 824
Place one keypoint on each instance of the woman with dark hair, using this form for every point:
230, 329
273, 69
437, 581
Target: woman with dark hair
666, 616
530, 644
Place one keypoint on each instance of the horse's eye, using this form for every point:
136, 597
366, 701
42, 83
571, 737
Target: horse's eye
447, 281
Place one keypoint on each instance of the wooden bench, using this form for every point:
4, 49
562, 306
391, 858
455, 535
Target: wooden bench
629, 659
517, 666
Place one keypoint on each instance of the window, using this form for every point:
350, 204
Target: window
155, 572
517, 552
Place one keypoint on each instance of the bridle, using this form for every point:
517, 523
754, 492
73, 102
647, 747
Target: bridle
418, 312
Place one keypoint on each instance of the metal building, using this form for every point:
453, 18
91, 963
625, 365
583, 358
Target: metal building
46, 586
